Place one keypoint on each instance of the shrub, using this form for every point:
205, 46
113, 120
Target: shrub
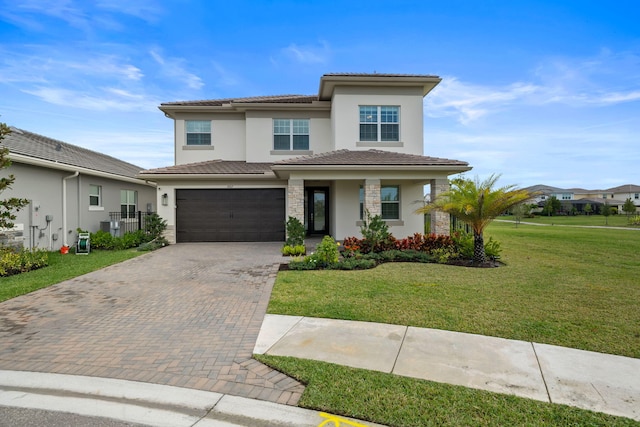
354, 264
307, 263
634, 220
102, 240
444, 255
375, 234
464, 246
20, 261
327, 252
153, 244
295, 232
297, 250
154, 226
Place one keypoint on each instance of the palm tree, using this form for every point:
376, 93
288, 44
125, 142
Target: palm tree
477, 204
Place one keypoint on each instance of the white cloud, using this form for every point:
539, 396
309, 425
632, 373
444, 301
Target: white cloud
102, 99
468, 102
307, 54
175, 69
605, 80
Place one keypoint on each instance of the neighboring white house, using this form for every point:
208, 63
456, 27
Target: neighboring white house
243, 165
69, 187
578, 198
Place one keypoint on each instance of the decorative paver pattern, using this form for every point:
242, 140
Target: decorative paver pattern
187, 315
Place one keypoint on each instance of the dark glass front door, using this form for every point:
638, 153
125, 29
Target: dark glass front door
317, 210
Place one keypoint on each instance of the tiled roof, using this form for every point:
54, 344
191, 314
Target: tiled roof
41, 147
377, 75
295, 99
213, 167
370, 157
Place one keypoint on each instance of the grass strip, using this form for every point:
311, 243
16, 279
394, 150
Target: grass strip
400, 401
60, 268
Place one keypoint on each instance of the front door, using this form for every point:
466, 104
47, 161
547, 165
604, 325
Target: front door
317, 211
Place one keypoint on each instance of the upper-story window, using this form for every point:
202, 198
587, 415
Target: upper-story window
637, 196
379, 123
95, 195
290, 134
198, 132
566, 196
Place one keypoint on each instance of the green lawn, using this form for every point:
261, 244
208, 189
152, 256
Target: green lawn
61, 267
406, 402
589, 220
574, 287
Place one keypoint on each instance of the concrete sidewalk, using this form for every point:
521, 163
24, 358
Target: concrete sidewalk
595, 381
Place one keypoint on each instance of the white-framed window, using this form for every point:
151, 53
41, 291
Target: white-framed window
379, 123
128, 203
290, 134
637, 196
95, 195
198, 132
566, 196
389, 199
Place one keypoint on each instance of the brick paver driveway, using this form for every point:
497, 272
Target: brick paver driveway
187, 315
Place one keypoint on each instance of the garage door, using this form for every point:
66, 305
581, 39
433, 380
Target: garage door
225, 215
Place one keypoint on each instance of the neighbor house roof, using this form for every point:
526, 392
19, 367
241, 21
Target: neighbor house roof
24, 145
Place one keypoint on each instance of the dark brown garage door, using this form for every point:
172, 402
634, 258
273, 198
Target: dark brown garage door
238, 215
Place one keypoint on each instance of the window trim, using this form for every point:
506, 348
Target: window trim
379, 141
99, 206
291, 135
398, 220
126, 212
187, 133
390, 202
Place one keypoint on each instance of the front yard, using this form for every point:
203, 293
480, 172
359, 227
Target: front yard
572, 287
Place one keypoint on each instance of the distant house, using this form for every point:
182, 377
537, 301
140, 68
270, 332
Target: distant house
244, 165
578, 198
69, 187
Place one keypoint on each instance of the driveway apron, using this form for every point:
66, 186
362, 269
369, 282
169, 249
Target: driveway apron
187, 315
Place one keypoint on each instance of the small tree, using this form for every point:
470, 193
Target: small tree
519, 211
477, 203
551, 206
14, 204
629, 208
588, 208
605, 210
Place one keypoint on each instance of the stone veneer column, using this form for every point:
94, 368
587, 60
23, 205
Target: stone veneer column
372, 197
440, 221
295, 199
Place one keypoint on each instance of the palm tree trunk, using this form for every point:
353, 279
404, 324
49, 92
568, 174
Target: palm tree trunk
478, 248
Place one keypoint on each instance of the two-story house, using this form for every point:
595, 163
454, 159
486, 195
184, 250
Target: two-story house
244, 165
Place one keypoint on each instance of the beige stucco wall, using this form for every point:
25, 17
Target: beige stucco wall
345, 117
259, 134
346, 209
228, 139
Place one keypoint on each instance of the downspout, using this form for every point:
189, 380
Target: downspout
64, 206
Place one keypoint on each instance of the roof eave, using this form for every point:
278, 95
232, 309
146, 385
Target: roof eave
196, 176
454, 168
329, 82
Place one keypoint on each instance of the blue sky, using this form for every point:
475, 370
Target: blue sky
538, 91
